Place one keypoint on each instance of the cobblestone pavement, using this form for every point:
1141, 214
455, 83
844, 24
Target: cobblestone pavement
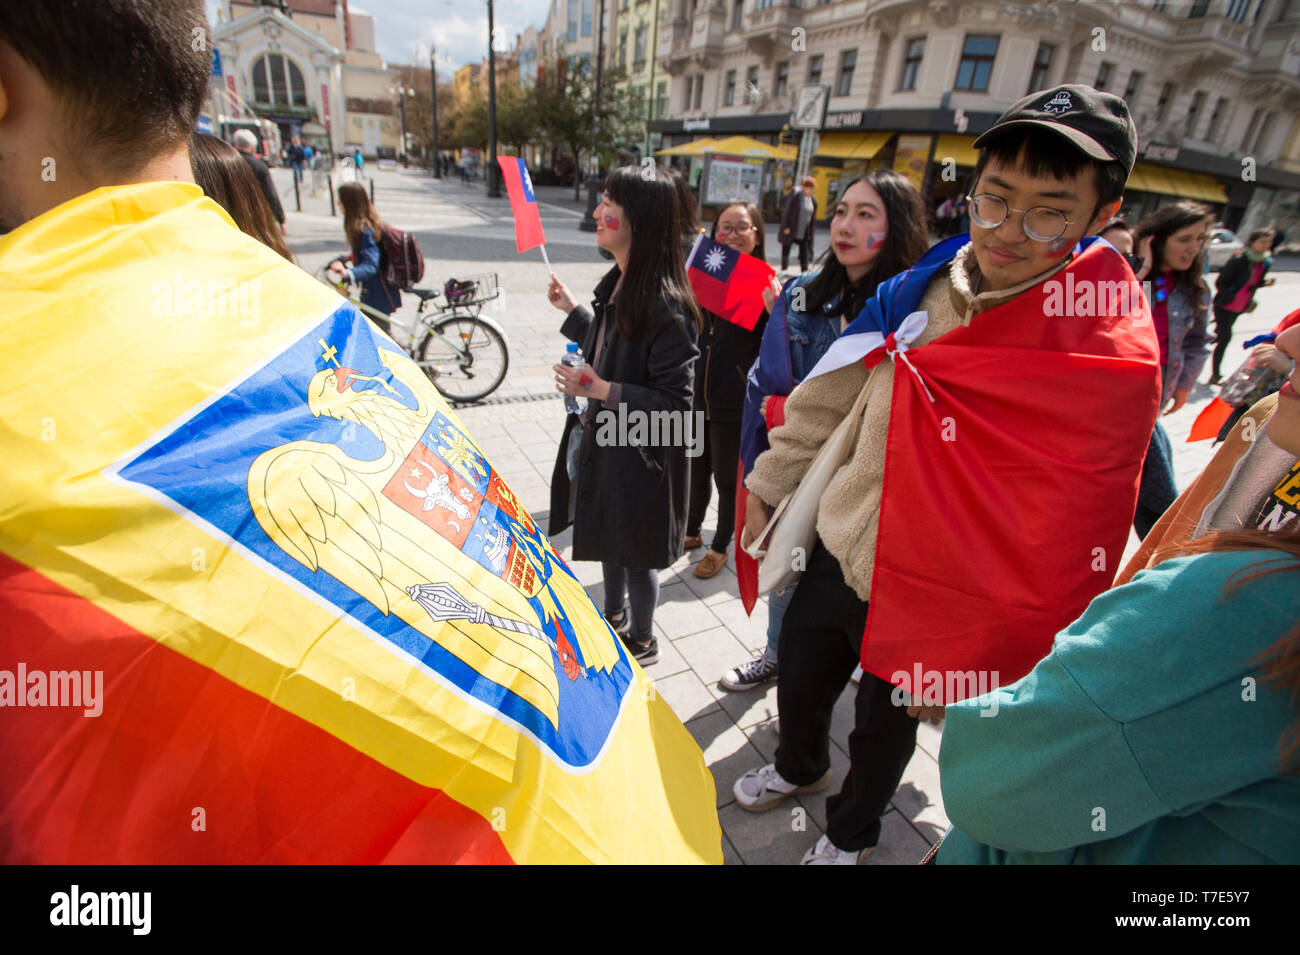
702, 627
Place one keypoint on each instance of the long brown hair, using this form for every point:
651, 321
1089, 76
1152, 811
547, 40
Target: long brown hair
226, 178
1281, 661
358, 212
1163, 223
755, 217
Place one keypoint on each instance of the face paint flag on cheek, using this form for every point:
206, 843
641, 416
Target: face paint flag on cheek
612, 224
875, 239
319, 611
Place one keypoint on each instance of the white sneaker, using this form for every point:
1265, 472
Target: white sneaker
825, 853
762, 789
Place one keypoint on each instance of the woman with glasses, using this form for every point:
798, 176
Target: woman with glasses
726, 352
1172, 240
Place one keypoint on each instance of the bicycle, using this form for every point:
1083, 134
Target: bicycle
464, 353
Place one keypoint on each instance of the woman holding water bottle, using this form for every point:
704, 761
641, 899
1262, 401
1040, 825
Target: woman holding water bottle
621, 475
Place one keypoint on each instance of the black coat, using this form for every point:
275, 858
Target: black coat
1236, 272
263, 176
630, 505
726, 352
790, 219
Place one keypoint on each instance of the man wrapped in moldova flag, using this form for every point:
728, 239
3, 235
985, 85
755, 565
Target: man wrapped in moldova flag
1012, 385
262, 598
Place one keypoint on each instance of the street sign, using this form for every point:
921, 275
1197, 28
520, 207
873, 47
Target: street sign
810, 109
216, 62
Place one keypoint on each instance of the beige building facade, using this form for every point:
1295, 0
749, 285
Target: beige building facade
1213, 85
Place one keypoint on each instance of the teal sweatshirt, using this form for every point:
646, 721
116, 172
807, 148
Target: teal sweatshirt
1146, 736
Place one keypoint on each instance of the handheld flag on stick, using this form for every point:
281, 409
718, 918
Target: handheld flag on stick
528, 220
306, 619
728, 283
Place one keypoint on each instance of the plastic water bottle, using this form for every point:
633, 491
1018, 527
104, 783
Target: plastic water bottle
573, 359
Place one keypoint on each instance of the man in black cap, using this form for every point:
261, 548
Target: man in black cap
1013, 445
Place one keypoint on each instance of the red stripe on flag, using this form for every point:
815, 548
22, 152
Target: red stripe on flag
1210, 421
175, 737
528, 218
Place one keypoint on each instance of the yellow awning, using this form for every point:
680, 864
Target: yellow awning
694, 148
838, 145
1211, 190
743, 146
1137, 182
786, 152
871, 144
960, 148
1158, 180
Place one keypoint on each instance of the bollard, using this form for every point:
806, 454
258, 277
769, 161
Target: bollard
297, 199
372, 190
331, 185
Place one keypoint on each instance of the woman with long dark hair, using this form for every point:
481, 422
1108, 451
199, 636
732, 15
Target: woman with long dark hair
1201, 765
365, 230
726, 352
1235, 289
877, 230
1172, 245
227, 180
621, 473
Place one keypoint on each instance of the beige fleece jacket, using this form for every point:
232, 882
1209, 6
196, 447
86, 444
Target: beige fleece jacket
849, 514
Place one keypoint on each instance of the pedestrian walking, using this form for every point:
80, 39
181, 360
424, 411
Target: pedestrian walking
726, 352
359, 161
625, 495
365, 232
958, 584
246, 143
798, 222
1239, 279
876, 232
226, 179
297, 157
1172, 243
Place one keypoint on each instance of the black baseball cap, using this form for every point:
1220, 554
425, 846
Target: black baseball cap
1096, 123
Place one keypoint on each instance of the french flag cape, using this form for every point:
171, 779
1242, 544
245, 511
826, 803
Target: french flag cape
1011, 470
528, 220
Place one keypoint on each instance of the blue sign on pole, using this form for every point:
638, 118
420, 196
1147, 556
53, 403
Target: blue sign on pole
216, 62
204, 125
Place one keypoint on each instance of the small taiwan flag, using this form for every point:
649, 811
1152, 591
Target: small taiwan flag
528, 221
728, 283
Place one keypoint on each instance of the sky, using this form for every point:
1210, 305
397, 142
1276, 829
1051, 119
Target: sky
458, 28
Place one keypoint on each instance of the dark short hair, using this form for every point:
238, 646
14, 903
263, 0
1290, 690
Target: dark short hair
1039, 152
125, 72
1259, 234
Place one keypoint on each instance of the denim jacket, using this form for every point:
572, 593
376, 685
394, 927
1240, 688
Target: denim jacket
1188, 339
810, 334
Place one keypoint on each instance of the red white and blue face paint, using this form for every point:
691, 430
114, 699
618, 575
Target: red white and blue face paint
611, 223
1058, 246
876, 239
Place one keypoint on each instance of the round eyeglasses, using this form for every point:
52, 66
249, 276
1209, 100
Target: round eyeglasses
735, 229
1040, 223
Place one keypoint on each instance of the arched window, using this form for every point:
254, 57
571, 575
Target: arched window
278, 81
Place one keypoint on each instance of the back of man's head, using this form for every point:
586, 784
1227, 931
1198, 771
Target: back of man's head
245, 141
130, 75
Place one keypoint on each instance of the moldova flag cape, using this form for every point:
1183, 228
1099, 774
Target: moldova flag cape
1011, 472
263, 599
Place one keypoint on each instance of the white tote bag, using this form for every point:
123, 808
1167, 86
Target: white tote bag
792, 529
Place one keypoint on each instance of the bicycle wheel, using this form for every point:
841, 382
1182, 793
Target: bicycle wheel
464, 357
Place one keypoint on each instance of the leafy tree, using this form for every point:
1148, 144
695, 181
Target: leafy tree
563, 103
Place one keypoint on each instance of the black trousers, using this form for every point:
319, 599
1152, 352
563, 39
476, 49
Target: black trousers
1223, 321
805, 255
719, 455
1156, 490
821, 641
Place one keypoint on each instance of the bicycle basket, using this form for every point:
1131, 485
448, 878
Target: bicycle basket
471, 290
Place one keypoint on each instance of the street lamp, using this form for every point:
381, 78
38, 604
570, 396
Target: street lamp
493, 186
437, 156
401, 92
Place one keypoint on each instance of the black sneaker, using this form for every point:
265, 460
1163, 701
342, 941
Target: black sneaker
620, 623
643, 654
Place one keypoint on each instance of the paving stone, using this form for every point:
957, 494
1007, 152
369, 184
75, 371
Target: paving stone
681, 614
919, 797
727, 752
688, 697
767, 838
900, 844
748, 707
711, 652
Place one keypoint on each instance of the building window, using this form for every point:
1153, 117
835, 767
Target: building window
1159, 6
1237, 10
729, 98
782, 81
690, 87
751, 84
1104, 73
1216, 119
1042, 67
622, 48
815, 70
586, 17
1250, 129
699, 91
661, 100
638, 48
976, 66
571, 22
738, 15
1131, 90
1198, 9
1194, 114
844, 82
1265, 132
912, 56
285, 86
763, 4
1162, 104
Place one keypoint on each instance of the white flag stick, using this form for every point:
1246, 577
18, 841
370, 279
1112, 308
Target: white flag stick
546, 259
